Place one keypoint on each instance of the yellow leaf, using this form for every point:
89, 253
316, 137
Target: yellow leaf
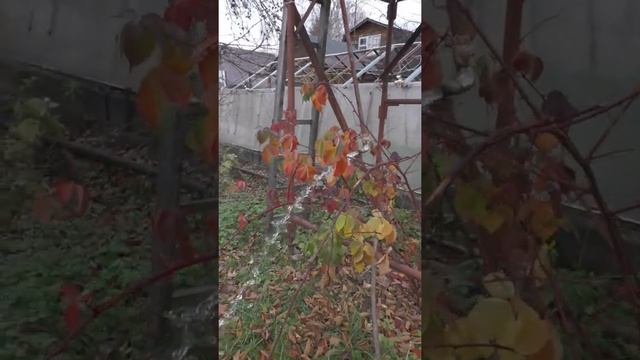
383, 265
384, 229
491, 221
534, 332
368, 254
461, 332
358, 256
498, 285
355, 247
552, 350
492, 319
359, 267
340, 222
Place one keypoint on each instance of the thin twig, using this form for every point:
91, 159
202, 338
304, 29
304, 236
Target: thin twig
374, 312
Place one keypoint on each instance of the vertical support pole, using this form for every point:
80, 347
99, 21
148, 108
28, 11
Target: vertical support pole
382, 110
290, 114
277, 114
170, 152
352, 62
325, 11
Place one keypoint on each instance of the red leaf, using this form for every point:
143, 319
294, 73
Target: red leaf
242, 221
208, 68
331, 205
241, 185
72, 195
341, 167
432, 77
71, 296
272, 197
528, 64
180, 13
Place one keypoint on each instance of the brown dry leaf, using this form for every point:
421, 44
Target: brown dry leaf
264, 355
324, 281
240, 355
334, 341
308, 347
322, 348
222, 309
383, 265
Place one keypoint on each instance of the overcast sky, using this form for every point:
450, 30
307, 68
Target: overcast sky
408, 17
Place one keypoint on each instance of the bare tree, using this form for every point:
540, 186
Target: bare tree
336, 29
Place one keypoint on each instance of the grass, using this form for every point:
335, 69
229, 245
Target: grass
102, 252
334, 317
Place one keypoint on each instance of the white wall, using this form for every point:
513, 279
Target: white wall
244, 112
84, 39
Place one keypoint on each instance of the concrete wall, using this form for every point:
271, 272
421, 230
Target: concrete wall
80, 37
243, 113
591, 52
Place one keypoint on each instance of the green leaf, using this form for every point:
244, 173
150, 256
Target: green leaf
137, 43
28, 130
469, 202
341, 221
195, 136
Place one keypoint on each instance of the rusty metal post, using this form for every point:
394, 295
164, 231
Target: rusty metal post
325, 11
290, 114
277, 115
354, 76
382, 111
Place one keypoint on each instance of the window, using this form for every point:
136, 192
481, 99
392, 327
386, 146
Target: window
370, 41
362, 42
222, 78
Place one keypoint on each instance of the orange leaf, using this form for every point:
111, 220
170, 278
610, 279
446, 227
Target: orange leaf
175, 85
242, 221
289, 142
177, 59
151, 100
319, 98
268, 153
341, 167
305, 172
289, 165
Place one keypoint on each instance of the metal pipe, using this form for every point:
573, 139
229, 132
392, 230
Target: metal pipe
382, 111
